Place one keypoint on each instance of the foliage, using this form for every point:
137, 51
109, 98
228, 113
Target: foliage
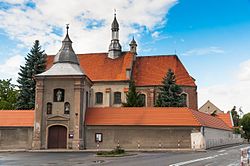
34, 64
245, 123
237, 131
8, 95
170, 93
133, 98
117, 151
235, 116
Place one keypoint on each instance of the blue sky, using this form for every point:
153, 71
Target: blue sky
211, 37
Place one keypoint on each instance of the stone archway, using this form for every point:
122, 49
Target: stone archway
57, 137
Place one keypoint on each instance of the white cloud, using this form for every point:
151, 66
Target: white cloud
229, 94
203, 51
155, 34
244, 72
27, 24
10, 68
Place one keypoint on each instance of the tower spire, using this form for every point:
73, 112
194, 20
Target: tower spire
114, 47
66, 54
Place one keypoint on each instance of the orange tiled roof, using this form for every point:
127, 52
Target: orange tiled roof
98, 67
141, 116
210, 121
152, 116
150, 70
144, 116
226, 118
21, 118
147, 71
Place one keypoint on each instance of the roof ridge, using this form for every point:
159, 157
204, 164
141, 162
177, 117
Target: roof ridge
171, 55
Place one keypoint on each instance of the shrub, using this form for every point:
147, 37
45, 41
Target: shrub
118, 150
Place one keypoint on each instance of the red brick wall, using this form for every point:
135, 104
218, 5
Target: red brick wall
192, 96
151, 93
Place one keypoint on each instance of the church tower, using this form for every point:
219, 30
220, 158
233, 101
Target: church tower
62, 95
133, 46
115, 49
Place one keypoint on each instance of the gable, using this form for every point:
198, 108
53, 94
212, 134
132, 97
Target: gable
150, 70
209, 108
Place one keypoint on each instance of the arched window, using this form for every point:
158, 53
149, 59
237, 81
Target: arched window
58, 95
184, 99
98, 97
117, 98
49, 108
66, 108
143, 98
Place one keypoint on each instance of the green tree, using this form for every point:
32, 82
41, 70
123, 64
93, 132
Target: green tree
235, 116
35, 63
133, 98
245, 123
8, 95
170, 94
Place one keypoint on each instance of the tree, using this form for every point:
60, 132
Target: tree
170, 93
35, 63
245, 123
8, 95
235, 116
133, 98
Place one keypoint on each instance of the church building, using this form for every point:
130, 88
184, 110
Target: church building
79, 103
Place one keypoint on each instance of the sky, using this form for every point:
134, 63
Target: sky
211, 37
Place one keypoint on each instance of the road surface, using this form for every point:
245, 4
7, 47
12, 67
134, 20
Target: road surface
214, 157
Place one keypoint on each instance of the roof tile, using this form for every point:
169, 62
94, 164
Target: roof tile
210, 121
98, 67
147, 71
150, 70
20, 118
226, 118
141, 116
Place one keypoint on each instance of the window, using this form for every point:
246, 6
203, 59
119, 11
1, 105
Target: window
184, 97
98, 97
117, 98
58, 95
49, 108
143, 98
98, 137
87, 99
66, 108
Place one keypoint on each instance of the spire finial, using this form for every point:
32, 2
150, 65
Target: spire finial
114, 12
67, 27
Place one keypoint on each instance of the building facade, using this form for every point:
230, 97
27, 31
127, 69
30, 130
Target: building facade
79, 103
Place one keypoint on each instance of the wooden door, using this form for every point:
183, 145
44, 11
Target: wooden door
57, 138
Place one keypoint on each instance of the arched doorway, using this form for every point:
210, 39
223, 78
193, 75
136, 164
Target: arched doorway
57, 137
